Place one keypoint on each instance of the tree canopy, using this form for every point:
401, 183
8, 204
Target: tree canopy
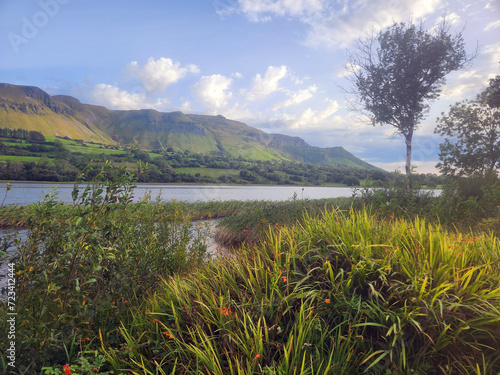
398, 72
472, 138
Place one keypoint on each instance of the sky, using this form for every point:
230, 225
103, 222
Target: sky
277, 65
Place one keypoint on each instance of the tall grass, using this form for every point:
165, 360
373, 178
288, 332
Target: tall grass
341, 294
85, 267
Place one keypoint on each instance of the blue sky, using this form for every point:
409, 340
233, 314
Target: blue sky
277, 65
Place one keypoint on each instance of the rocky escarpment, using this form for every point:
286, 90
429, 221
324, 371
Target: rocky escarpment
279, 141
35, 102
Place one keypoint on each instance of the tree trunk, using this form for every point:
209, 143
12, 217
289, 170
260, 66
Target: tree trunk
408, 139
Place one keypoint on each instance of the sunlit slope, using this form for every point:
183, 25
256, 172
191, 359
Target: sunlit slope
31, 108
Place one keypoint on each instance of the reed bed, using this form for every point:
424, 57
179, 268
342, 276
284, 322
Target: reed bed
344, 293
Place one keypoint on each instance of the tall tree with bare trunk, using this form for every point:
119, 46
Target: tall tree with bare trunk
396, 73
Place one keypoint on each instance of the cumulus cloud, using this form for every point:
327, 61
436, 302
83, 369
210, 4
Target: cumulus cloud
297, 97
264, 86
156, 75
112, 97
314, 119
213, 91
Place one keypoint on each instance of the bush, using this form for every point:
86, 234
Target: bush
85, 267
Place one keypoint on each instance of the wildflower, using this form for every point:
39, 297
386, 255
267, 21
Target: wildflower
257, 356
245, 230
168, 334
66, 369
155, 320
87, 338
139, 281
126, 301
327, 300
284, 278
224, 311
378, 221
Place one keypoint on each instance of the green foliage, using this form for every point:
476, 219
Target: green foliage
493, 92
397, 72
86, 266
249, 221
344, 294
21, 134
472, 139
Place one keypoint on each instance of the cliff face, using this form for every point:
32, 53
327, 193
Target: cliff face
31, 108
279, 141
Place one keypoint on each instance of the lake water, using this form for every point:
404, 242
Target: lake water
24, 193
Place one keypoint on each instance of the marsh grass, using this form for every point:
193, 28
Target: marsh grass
342, 294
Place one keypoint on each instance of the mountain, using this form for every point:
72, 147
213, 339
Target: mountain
30, 108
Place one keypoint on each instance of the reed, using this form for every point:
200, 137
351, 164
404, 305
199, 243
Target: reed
344, 293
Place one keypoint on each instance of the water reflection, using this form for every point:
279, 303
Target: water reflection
24, 193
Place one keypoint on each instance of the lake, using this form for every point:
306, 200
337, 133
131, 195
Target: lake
25, 193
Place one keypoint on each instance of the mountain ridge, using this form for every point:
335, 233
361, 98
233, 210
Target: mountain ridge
31, 108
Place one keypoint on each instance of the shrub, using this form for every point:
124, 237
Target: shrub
85, 267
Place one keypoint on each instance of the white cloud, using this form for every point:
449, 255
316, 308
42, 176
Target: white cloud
337, 24
340, 28
114, 98
314, 119
264, 86
452, 19
186, 107
464, 85
156, 75
297, 97
263, 10
493, 53
492, 25
213, 91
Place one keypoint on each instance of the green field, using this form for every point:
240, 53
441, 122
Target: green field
20, 158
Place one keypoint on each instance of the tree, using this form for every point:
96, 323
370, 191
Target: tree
493, 92
472, 144
396, 73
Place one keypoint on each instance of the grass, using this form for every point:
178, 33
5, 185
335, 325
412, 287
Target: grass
90, 150
20, 158
312, 287
344, 294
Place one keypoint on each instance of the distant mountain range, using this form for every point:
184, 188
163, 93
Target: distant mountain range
31, 108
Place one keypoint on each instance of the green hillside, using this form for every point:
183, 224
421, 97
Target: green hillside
30, 108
